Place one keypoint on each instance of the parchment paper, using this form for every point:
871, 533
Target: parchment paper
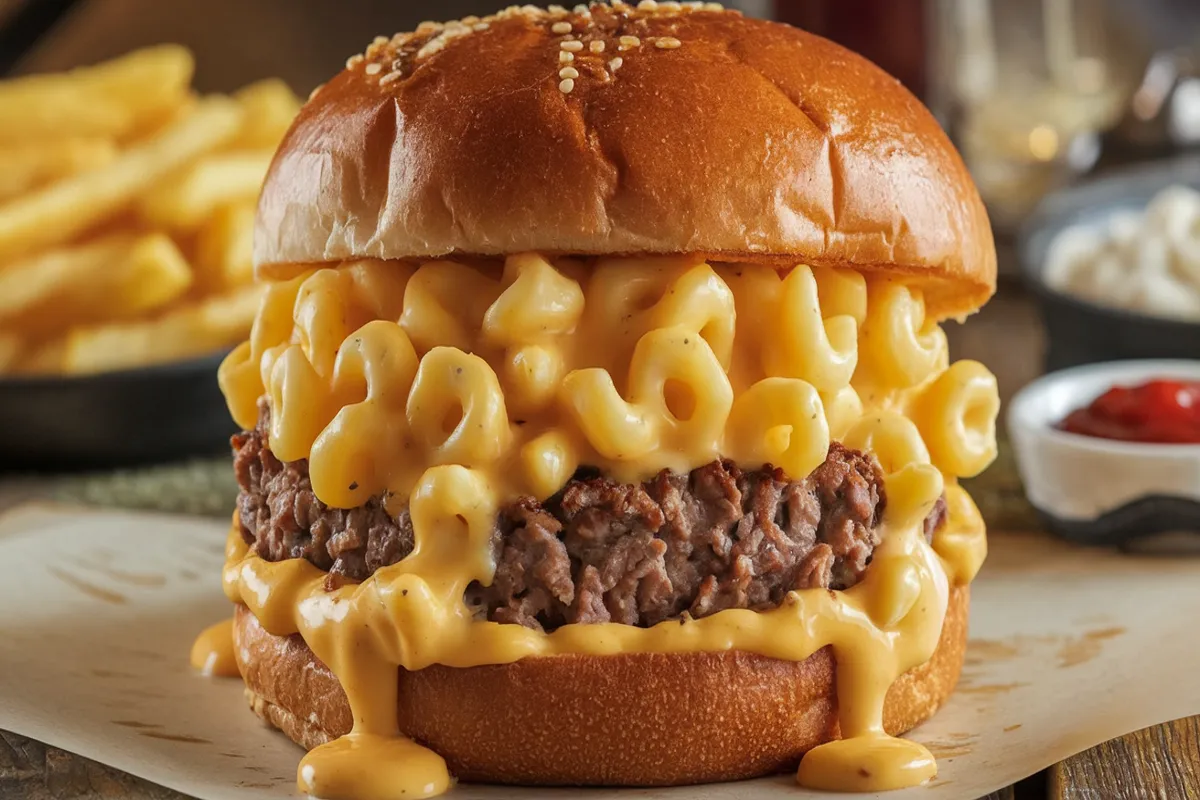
1069, 648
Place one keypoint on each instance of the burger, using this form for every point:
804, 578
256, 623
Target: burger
599, 428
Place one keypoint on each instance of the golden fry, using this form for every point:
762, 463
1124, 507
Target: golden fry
223, 248
115, 99
42, 359
186, 199
270, 107
27, 166
114, 277
63, 210
10, 351
192, 330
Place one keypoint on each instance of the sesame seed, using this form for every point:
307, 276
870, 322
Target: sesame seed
561, 27
713, 7
573, 46
671, 6
471, 20
481, 26
647, 5
556, 9
564, 57
582, 9
428, 25
667, 43
391, 77
431, 47
379, 41
568, 72
354, 60
566, 85
616, 63
693, 5
373, 69
597, 46
628, 42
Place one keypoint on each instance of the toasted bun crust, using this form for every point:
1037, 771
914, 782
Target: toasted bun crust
751, 141
636, 719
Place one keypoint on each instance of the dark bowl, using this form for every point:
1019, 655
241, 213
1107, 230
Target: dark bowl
1077, 331
136, 416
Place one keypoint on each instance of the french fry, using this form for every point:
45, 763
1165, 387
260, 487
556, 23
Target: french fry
270, 107
26, 166
114, 99
114, 277
42, 359
215, 322
223, 248
184, 200
61, 211
10, 351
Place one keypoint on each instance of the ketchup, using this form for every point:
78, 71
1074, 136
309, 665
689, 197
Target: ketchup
1161, 411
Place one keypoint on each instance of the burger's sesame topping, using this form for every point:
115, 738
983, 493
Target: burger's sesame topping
433, 46
568, 72
566, 85
587, 29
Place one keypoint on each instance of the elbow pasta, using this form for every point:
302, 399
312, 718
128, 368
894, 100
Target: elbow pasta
383, 373
805, 344
900, 348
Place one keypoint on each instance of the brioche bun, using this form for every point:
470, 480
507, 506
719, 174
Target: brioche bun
749, 141
637, 719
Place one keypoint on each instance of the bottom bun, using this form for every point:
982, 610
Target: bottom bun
637, 719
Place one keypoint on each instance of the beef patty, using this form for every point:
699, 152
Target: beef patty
600, 551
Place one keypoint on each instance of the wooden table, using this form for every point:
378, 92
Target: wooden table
1159, 762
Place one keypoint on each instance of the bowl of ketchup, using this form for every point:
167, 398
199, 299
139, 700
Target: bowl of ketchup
1110, 453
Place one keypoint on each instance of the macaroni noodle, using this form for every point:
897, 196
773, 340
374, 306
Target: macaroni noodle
454, 388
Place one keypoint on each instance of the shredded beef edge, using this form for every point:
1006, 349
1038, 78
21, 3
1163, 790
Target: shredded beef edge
675, 546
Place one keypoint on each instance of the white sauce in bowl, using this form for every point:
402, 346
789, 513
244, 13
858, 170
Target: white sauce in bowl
1147, 261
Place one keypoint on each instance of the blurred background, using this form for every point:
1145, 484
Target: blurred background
1079, 120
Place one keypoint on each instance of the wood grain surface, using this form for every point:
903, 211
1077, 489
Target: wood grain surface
30, 770
1157, 763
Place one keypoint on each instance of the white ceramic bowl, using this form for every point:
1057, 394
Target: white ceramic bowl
1100, 490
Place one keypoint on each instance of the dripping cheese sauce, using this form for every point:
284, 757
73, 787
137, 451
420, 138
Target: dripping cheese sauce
452, 387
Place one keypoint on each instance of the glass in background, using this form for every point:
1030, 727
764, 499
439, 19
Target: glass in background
1027, 88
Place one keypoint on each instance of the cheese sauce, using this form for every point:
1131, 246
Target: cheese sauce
212, 652
456, 388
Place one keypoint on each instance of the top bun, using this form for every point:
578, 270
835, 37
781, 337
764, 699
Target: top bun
735, 138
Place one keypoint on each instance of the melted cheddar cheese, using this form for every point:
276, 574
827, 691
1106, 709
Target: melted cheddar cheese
452, 388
